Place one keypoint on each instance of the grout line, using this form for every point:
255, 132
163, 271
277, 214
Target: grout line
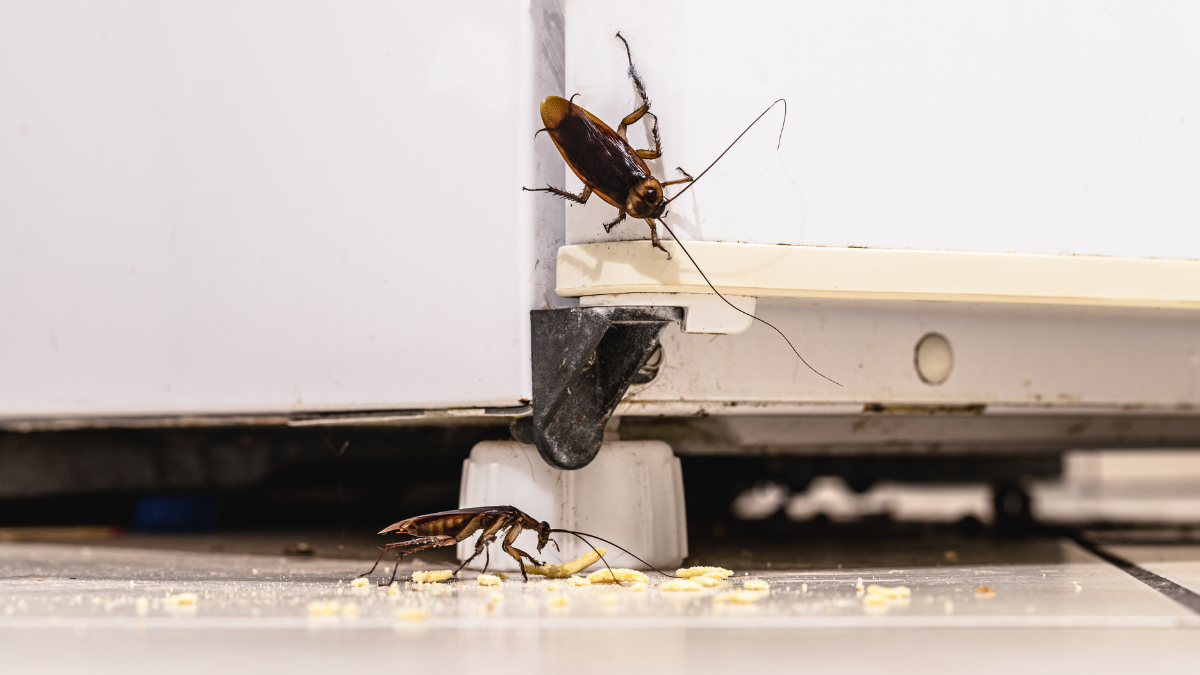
1163, 585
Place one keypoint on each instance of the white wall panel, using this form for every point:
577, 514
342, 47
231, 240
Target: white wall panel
1064, 127
251, 206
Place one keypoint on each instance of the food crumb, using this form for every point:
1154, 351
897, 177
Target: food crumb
351, 609
681, 585
181, 599
141, 606
756, 585
889, 592
616, 575
559, 600
706, 581
488, 580
394, 588
951, 556
568, 568
610, 599
1078, 588
859, 586
577, 581
550, 586
359, 583
411, 614
432, 576
984, 592
715, 572
804, 588
948, 607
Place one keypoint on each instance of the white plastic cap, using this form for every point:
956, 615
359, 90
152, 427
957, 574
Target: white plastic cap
631, 494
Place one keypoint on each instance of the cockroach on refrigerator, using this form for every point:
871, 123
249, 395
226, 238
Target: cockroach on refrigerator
450, 527
610, 167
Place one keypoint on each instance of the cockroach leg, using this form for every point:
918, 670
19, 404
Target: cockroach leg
654, 238
419, 544
480, 547
384, 549
657, 151
517, 555
581, 198
630, 119
609, 226
634, 117
633, 75
687, 178
445, 541
643, 110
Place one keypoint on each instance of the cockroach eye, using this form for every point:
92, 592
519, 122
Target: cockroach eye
652, 195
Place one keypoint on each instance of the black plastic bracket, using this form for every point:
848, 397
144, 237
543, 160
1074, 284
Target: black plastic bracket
583, 361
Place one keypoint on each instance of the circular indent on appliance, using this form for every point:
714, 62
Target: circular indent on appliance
933, 358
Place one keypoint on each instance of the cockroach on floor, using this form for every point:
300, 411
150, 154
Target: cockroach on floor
450, 527
610, 167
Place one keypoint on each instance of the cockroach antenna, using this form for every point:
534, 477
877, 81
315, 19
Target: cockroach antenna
756, 119
697, 266
714, 290
580, 535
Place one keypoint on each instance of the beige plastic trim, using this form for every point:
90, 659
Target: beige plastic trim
882, 274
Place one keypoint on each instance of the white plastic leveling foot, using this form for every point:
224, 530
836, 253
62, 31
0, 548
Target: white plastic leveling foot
631, 494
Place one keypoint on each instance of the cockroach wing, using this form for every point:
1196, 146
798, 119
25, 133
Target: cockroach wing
597, 155
417, 521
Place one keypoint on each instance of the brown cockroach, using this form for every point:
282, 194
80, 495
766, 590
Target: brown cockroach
610, 167
450, 527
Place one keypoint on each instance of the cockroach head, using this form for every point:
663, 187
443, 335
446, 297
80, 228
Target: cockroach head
543, 531
645, 199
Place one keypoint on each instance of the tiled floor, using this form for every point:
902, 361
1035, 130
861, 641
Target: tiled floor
1048, 603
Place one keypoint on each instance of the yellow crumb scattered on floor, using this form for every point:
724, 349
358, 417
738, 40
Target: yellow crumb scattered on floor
350, 609
559, 600
984, 592
715, 572
638, 587
740, 597
568, 568
888, 592
411, 614
359, 582
609, 599
615, 575
577, 581
488, 580
756, 585
859, 586
681, 585
181, 599
550, 586
329, 608
432, 576
706, 581
394, 588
